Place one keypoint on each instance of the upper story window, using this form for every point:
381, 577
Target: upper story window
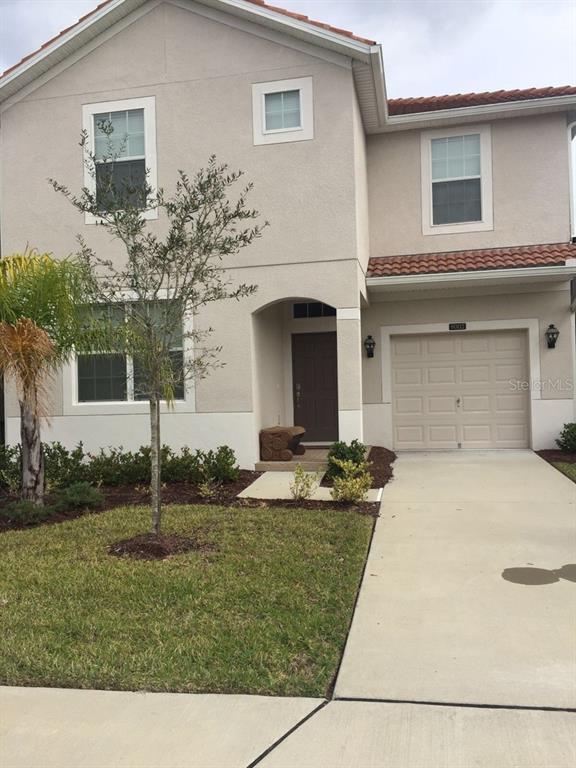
283, 111
119, 148
122, 137
456, 181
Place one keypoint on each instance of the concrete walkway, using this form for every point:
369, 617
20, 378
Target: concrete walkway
447, 611
276, 485
64, 728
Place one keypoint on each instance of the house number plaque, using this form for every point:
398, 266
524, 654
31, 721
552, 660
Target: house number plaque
457, 326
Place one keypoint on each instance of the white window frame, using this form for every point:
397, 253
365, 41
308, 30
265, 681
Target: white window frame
148, 104
305, 132
487, 221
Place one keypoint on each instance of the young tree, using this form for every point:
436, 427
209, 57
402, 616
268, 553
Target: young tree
41, 322
163, 282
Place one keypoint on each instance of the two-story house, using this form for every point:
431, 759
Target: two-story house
418, 251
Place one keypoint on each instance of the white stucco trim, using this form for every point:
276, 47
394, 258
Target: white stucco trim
304, 132
531, 325
348, 313
148, 104
487, 221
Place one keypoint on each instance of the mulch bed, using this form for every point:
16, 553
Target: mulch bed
177, 493
224, 495
552, 455
381, 460
147, 546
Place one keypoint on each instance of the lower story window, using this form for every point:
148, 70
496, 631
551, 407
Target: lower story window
102, 378
118, 377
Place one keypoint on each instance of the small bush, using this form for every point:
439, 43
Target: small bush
10, 468
25, 512
567, 440
64, 467
220, 465
115, 466
78, 496
353, 482
304, 483
340, 451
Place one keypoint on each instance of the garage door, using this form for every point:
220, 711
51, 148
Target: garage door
459, 390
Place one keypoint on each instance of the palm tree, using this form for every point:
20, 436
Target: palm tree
42, 319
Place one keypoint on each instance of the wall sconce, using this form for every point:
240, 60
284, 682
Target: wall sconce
551, 335
369, 346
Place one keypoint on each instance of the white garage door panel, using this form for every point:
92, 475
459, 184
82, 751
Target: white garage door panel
454, 390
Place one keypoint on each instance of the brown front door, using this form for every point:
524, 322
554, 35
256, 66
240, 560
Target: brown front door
315, 385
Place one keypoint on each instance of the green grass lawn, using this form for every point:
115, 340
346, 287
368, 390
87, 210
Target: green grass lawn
567, 469
266, 612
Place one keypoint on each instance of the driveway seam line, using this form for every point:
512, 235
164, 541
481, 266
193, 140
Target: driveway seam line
288, 733
535, 708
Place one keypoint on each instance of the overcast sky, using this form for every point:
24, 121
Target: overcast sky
430, 46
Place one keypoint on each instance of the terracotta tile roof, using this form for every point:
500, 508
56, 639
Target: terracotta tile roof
283, 11
472, 261
455, 100
322, 25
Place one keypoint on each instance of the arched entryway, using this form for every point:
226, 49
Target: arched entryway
296, 367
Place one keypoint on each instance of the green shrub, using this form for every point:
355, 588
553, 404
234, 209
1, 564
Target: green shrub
353, 482
115, 466
78, 496
220, 465
25, 512
185, 467
10, 468
340, 451
64, 467
567, 439
304, 483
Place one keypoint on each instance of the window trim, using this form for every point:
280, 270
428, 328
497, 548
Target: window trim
148, 104
487, 221
305, 132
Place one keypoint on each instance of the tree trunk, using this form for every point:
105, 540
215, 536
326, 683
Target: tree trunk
32, 453
155, 465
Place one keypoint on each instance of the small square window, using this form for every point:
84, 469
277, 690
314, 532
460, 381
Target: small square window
283, 111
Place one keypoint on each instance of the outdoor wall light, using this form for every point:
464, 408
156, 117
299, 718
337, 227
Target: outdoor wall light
552, 334
369, 346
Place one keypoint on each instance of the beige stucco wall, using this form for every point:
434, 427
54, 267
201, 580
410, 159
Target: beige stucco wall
200, 71
552, 306
531, 191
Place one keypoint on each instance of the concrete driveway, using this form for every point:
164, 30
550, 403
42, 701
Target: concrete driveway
452, 608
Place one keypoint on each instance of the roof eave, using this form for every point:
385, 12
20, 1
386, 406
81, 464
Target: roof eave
425, 281
479, 112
